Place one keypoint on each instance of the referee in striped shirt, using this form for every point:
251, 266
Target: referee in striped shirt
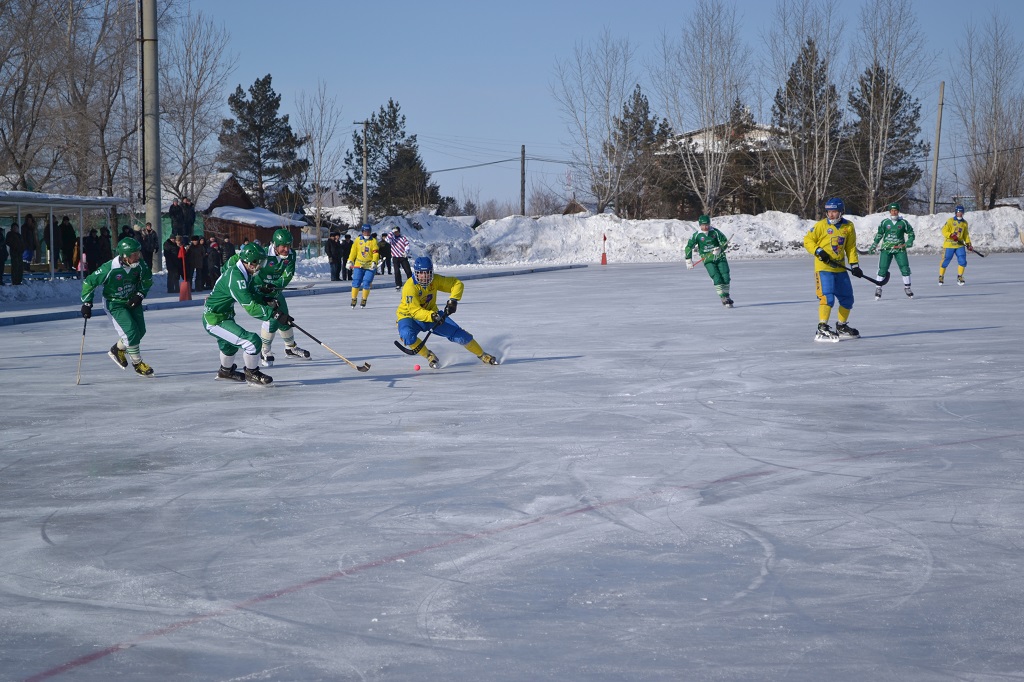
399, 255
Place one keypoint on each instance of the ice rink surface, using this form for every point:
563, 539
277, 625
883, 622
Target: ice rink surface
649, 487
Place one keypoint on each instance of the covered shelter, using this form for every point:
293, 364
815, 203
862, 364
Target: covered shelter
255, 224
16, 205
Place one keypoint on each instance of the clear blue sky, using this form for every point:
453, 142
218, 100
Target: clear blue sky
474, 78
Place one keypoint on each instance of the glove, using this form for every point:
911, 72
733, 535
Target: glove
873, 250
970, 248
910, 242
283, 318
268, 290
135, 301
689, 264
436, 318
824, 257
87, 310
272, 303
716, 252
857, 272
450, 306
349, 264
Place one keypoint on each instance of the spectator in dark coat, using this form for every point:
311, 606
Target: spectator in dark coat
172, 264
227, 249
15, 247
214, 262
30, 238
176, 215
68, 241
346, 248
106, 247
92, 251
3, 255
188, 216
52, 250
384, 249
149, 241
334, 256
194, 258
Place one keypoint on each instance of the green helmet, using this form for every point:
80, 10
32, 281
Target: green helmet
894, 205
282, 237
704, 220
252, 253
128, 246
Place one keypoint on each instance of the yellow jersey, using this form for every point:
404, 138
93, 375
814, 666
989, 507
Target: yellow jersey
419, 302
839, 241
955, 233
364, 253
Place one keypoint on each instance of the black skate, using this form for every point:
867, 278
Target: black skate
142, 369
266, 358
846, 331
296, 352
230, 373
119, 356
878, 293
908, 292
825, 333
353, 304
363, 304
960, 281
257, 378
940, 280
727, 302
432, 360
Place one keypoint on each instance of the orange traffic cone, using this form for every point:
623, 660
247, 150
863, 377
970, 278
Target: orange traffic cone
604, 254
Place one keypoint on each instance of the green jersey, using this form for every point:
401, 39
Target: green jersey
706, 243
894, 235
277, 272
118, 280
235, 284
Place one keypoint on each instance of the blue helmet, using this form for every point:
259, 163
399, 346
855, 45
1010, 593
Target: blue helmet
835, 204
958, 209
423, 270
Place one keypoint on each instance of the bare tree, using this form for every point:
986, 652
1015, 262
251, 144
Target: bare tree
986, 95
319, 118
700, 76
806, 109
897, 61
194, 76
545, 201
29, 79
591, 88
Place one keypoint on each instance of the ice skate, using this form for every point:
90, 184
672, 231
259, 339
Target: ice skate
363, 304
825, 333
296, 352
230, 373
908, 292
488, 359
432, 360
353, 304
266, 358
878, 293
846, 331
940, 280
142, 369
119, 356
727, 302
257, 378
960, 281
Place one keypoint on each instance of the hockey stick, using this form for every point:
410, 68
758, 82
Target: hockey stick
81, 351
365, 367
418, 346
879, 282
976, 252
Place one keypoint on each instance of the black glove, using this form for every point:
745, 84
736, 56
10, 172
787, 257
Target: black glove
450, 306
857, 272
273, 303
283, 318
268, 290
87, 310
824, 257
435, 317
135, 301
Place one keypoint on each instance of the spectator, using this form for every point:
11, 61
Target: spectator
227, 249
334, 255
30, 238
92, 251
3, 255
172, 264
149, 242
214, 262
384, 247
346, 248
399, 255
106, 247
68, 242
204, 271
15, 247
52, 250
126, 233
176, 215
194, 258
188, 216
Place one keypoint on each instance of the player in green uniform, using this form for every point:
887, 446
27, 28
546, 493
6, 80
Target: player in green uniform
896, 236
271, 279
710, 244
125, 281
238, 283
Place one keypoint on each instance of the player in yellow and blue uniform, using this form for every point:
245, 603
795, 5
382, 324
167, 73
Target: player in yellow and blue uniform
362, 261
833, 241
418, 312
957, 237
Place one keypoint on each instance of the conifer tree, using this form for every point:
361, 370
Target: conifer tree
636, 139
258, 145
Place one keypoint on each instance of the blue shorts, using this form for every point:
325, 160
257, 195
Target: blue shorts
834, 285
961, 256
362, 278
408, 328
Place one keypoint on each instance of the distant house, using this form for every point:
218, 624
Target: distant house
254, 224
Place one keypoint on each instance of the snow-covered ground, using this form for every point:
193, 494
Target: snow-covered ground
649, 487
519, 241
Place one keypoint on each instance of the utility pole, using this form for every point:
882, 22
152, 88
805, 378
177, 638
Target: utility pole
365, 202
151, 121
522, 181
935, 160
